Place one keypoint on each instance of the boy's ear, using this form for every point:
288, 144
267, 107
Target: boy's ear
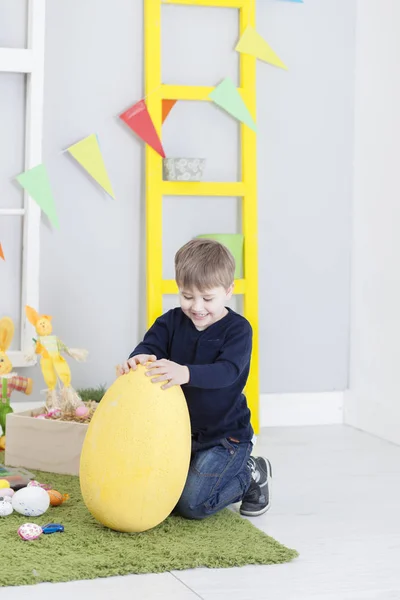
229, 291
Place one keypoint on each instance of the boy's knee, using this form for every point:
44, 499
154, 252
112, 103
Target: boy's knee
188, 508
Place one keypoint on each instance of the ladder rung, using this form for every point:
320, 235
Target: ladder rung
217, 3
194, 188
188, 92
169, 287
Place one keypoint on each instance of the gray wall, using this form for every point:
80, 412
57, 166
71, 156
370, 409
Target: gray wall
92, 270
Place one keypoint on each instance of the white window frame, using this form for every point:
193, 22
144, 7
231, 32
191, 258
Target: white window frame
30, 62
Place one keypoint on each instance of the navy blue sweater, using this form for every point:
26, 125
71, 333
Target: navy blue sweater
218, 360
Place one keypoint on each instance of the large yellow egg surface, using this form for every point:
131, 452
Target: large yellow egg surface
136, 454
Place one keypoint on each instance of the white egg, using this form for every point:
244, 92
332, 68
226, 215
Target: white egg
5, 509
31, 501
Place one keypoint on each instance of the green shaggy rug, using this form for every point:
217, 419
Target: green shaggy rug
87, 550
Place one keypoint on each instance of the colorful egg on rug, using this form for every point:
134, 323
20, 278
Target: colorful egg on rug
31, 501
29, 532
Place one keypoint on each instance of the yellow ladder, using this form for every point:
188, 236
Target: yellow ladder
156, 188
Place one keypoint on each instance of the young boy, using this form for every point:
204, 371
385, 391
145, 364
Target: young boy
206, 348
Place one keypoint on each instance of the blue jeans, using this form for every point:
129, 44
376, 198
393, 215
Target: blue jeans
218, 476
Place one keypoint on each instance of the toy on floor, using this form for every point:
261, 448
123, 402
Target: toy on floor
53, 365
53, 528
31, 501
9, 382
152, 454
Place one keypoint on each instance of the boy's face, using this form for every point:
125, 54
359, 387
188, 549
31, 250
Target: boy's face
204, 308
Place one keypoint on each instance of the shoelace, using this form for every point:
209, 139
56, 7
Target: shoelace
251, 463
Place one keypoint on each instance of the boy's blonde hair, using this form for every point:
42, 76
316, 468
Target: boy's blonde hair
204, 264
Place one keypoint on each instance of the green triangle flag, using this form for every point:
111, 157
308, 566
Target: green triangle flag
36, 183
227, 97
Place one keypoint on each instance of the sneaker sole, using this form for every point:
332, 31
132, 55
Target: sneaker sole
252, 513
248, 513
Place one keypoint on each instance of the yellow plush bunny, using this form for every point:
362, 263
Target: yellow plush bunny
53, 364
9, 382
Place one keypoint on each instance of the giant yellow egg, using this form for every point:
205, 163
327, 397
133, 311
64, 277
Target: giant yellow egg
136, 453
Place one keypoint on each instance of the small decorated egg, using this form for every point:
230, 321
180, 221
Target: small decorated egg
82, 411
4, 484
33, 483
5, 498
56, 412
31, 501
7, 493
56, 498
5, 508
29, 532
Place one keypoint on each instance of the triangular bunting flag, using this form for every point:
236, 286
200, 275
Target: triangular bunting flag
227, 97
167, 106
252, 43
1, 252
137, 117
36, 183
88, 154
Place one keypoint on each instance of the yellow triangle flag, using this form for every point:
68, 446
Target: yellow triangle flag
252, 43
88, 154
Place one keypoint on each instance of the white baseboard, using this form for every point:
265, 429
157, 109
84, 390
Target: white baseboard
287, 410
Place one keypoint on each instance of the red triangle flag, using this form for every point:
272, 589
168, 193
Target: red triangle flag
167, 106
137, 117
1, 253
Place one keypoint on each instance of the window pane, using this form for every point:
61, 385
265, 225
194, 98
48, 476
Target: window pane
12, 127
196, 216
11, 273
13, 23
198, 45
202, 130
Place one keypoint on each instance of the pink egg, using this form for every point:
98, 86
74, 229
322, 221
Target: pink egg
7, 492
30, 531
82, 411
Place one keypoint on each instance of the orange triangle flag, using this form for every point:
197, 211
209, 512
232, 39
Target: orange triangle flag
167, 106
1, 253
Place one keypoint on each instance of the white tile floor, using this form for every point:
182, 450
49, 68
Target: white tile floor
335, 499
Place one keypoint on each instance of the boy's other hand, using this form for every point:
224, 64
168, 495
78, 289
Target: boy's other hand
132, 363
171, 372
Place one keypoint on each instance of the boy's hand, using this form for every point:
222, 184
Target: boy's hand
171, 372
132, 363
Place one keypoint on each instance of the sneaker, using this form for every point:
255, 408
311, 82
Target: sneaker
257, 499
